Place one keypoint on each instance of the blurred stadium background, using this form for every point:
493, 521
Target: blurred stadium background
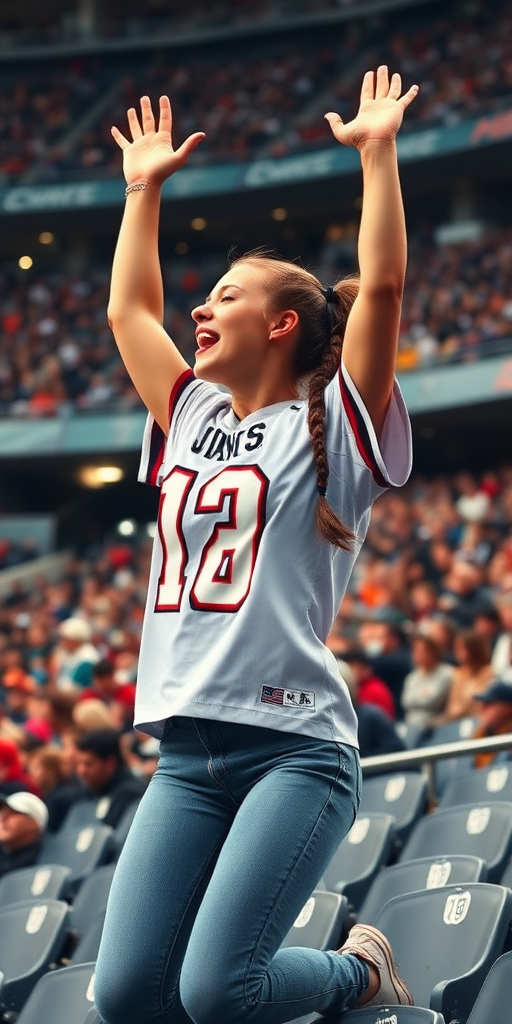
430, 600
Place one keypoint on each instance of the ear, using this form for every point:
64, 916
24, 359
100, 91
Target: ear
283, 327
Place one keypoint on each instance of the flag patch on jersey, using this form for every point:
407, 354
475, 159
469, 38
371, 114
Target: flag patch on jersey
303, 699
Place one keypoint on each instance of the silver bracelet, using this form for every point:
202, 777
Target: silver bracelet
138, 186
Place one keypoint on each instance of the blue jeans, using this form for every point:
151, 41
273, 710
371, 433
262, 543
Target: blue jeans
232, 835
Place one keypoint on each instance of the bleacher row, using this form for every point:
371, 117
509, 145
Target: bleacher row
435, 877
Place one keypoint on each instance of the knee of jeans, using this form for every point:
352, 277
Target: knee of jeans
118, 1001
207, 1001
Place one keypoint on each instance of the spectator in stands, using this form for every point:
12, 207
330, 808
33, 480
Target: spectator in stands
49, 770
471, 676
23, 820
19, 687
92, 714
386, 645
426, 688
101, 769
463, 593
74, 655
502, 654
495, 717
370, 689
13, 777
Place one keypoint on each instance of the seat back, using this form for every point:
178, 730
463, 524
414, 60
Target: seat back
484, 830
492, 1002
32, 936
48, 882
363, 852
423, 873
81, 813
446, 770
91, 898
64, 997
82, 850
403, 795
445, 941
492, 783
320, 922
388, 1015
88, 946
506, 878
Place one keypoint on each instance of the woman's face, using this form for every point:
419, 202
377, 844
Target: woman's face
233, 328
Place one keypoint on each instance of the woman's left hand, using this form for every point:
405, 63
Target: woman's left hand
380, 112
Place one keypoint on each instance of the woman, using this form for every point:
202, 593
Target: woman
265, 501
471, 676
426, 688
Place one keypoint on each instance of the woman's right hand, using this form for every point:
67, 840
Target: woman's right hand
150, 156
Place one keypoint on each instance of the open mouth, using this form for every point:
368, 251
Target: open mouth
206, 339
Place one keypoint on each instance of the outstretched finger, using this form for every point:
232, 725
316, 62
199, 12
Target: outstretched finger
395, 86
409, 96
133, 121
368, 86
337, 125
119, 138
146, 110
382, 82
165, 121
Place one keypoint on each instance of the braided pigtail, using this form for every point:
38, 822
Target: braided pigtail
323, 315
339, 302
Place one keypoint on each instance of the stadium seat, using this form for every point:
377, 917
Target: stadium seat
82, 850
88, 945
492, 1005
404, 795
49, 882
424, 873
506, 878
445, 941
492, 783
364, 851
91, 898
62, 997
84, 812
32, 936
320, 922
452, 732
121, 830
387, 1015
484, 830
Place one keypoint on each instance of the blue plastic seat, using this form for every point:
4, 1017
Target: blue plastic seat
403, 795
492, 783
32, 936
62, 997
492, 1005
82, 850
363, 852
445, 941
423, 873
88, 945
91, 898
320, 922
484, 831
47, 882
387, 1015
452, 732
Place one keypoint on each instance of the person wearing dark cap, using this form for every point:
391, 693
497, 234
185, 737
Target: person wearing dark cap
495, 717
23, 820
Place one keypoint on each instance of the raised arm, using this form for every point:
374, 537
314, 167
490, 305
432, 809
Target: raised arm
371, 336
136, 304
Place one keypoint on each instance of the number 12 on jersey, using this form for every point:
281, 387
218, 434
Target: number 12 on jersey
235, 501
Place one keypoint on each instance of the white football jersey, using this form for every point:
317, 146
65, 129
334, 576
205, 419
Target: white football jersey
243, 590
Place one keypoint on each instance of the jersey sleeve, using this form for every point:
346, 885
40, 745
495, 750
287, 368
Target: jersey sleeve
373, 464
187, 395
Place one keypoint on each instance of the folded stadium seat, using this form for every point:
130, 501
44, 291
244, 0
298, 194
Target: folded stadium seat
364, 851
445, 941
48, 881
87, 947
91, 898
424, 873
387, 1015
87, 811
492, 783
452, 732
32, 936
404, 795
82, 850
320, 922
492, 1005
484, 830
121, 830
506, 878
62, 997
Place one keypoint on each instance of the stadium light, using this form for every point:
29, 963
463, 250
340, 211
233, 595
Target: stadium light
98, 476
127, 527
25, 262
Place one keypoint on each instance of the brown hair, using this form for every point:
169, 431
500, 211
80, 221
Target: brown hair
323, 318
477, 649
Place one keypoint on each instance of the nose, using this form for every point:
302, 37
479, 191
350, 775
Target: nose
201, 313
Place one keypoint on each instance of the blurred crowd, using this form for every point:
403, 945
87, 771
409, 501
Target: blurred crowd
56, 350
423, 639
259, 100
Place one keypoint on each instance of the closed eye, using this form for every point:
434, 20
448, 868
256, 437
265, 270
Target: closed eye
227, 298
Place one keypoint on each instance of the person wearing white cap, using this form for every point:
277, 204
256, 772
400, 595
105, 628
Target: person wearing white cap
74, 655
23, 820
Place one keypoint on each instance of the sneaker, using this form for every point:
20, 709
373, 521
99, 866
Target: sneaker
372, 946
